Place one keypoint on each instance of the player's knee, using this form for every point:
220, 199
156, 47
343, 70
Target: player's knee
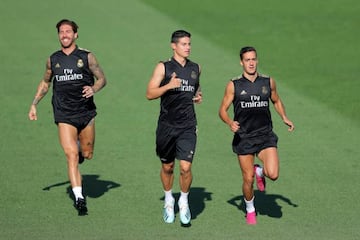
185, 168
185, 171
87, 154
249, 180
272, 175
71, 156
168, 168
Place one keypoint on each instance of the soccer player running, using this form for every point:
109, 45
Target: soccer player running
252, 126
73, 72
176, 82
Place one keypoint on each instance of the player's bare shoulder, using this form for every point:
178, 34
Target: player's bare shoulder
236, 78
165, 61
84, 49
263, 75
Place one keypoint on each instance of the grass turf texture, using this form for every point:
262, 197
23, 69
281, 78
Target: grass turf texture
309, 48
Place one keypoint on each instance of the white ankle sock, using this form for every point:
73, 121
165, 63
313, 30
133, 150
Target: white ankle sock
168, 196
183, 198
250, 205
77, 192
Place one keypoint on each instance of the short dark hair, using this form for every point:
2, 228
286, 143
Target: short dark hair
179, 34
68, 22
245, 50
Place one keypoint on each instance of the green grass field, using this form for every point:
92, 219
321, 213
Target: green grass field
309, 47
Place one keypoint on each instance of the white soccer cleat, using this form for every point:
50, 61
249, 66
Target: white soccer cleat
168, 212
185, 215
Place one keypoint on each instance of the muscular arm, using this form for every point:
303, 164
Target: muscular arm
279, 106
224, 107
42, 90
100, 82
154, 90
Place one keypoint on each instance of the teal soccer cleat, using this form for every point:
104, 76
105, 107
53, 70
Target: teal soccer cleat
185, 215
168, 212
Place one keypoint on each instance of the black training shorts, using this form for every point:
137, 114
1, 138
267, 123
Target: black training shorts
253, 145
79, 122
175, 143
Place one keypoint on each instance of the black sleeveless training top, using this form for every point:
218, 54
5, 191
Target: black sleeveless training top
251, 106
177, 107
70, 73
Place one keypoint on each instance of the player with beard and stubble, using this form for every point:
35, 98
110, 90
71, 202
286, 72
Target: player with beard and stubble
76, 76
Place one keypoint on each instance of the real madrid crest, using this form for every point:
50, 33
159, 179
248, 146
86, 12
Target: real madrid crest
264, 90
80, 63
193, 75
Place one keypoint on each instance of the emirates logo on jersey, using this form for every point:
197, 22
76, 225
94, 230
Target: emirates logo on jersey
69, 75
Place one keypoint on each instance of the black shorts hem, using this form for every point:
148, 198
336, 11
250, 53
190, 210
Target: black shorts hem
78, 122
253, 145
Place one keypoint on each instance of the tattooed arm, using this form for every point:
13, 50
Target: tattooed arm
100, 82
42, 89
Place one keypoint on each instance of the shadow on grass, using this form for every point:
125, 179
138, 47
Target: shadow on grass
265, 204
93, 187
197, 198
